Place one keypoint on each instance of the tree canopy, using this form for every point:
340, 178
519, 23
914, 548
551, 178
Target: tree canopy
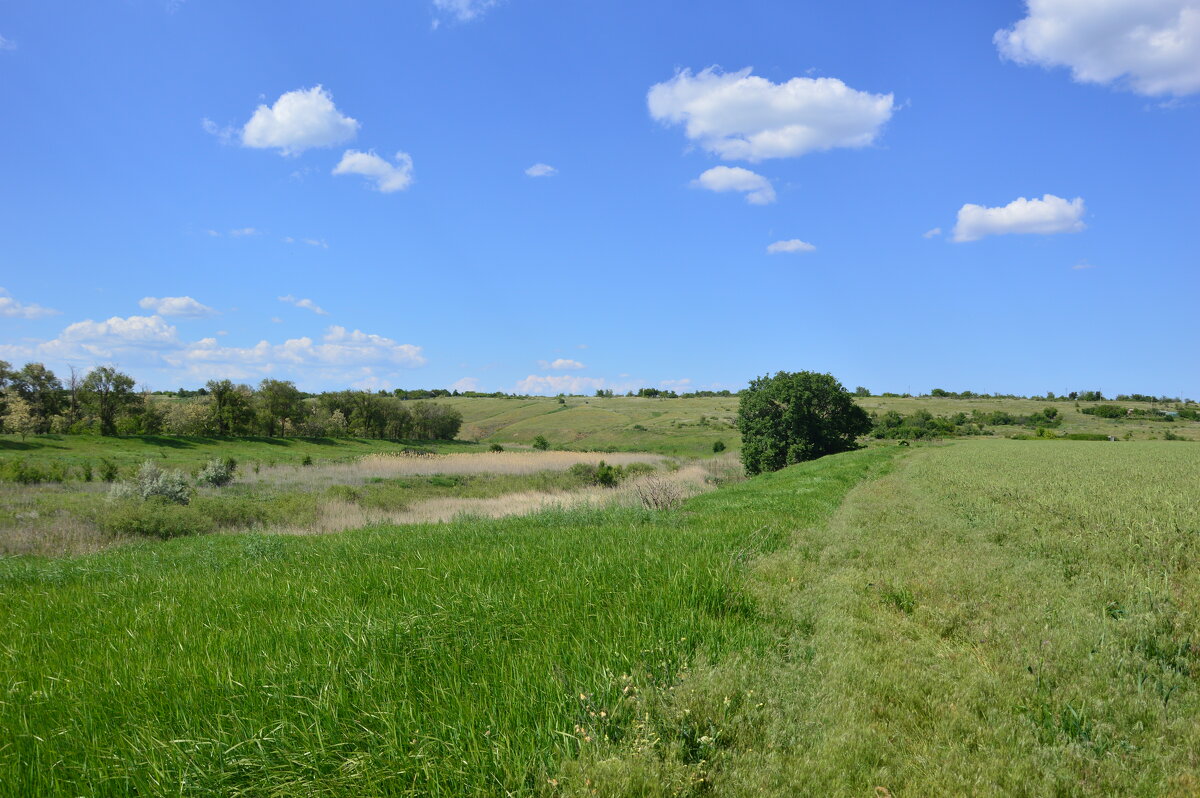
793, 417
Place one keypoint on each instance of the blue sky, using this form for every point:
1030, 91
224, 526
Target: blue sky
546, 195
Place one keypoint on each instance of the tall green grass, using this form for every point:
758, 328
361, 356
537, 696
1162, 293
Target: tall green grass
463, 659
991, 618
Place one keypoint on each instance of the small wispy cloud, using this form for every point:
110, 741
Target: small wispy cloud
243, 231
934, 233
7, 44
561, 364
181, 306
464, 10
307, 304
541, 170
224, 134
387, 177
792, 245
312, 242
1083, 265
21, 310
758, 189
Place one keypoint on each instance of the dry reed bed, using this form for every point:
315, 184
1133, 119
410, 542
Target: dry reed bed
378, 466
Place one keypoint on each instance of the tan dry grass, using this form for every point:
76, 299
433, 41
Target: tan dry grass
378, 466
338, 516
54, 536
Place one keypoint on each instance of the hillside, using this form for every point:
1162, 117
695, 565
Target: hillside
691, 426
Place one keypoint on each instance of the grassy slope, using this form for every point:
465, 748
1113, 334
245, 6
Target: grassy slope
463, 659
674, 426
172, 451
670, 426
681, 427
999, 618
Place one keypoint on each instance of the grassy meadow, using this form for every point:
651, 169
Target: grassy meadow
981, 617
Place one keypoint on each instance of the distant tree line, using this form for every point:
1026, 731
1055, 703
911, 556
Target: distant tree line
33, 401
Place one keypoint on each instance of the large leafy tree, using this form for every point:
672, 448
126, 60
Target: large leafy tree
38, 386
106, 392
793, 417
279, 402
231, 407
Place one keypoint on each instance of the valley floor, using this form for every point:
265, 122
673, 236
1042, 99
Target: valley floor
983, 617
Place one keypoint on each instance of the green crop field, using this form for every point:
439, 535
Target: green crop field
982, 617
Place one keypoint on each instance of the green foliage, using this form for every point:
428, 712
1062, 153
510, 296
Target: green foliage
157, 517
718, 447
540, 443
306, 460
793, 417
26, 473
108, 470
495, 447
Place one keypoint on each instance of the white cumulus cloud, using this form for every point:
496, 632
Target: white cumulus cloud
388, 177
791, 245
561, 364
541, 170
464, 385
1149, 46
299, 120
307, 304
739, 116
339, 347
182, 306
1050, 214
758, 189
21, 310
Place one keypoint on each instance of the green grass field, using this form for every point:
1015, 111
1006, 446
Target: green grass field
189, 453
982, 617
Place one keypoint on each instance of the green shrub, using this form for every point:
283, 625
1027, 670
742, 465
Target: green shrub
540, 443
718, 447
608, 476
158, 517
638, 469
26, 473
495, 447
108, 470
343, 492
85, 471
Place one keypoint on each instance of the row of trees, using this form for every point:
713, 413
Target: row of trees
35, 401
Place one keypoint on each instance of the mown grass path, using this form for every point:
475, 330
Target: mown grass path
991, 618
462, 659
